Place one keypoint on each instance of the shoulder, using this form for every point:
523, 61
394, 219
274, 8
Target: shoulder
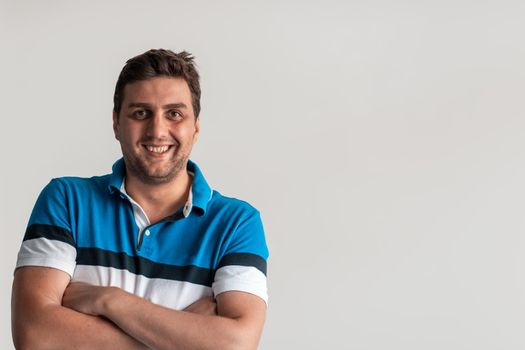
242, 225
68, 190
64, 197
231, 206
73, 183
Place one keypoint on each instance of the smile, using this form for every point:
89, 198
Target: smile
157, 149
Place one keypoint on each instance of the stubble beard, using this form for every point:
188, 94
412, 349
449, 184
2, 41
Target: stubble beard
140, 168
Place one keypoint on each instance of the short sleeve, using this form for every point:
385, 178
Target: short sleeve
48, 240
243, 266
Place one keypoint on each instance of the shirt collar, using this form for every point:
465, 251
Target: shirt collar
201, 192
117, 176
199, 196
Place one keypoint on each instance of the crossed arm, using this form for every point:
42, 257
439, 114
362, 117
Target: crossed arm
49, 312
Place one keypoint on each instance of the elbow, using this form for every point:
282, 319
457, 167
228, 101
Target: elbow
32, 337
31, 343
241, 346
24, 344
21, 334
24, 339
19, 341
242, 339
245, 344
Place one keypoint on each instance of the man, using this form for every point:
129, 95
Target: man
148, 256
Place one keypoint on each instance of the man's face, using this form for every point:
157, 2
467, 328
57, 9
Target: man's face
156, 128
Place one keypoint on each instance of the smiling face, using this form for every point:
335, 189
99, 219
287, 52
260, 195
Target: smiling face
156, 128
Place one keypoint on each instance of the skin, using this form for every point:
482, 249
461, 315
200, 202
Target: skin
237, 326
50, 312
157, 112
40, 322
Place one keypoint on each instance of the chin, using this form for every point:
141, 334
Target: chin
152, 173
163, 175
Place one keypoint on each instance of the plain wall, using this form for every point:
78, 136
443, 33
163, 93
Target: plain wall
382, 141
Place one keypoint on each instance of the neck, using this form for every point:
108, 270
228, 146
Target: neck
159, 200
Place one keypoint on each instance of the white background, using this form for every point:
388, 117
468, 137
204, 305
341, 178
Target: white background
382, 141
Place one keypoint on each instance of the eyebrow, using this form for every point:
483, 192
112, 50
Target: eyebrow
147, 105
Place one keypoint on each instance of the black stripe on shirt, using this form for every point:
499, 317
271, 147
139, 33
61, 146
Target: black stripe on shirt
49, 232
145, 267
244, 259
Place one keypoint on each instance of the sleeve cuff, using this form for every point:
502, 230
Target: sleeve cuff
46, 262
240, 278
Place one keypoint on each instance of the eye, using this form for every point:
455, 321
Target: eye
140, 114
173, 114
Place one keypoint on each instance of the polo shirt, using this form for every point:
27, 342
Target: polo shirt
93, 230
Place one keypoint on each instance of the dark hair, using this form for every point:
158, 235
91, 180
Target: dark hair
155, 63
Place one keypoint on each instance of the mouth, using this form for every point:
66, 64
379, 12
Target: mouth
157, 150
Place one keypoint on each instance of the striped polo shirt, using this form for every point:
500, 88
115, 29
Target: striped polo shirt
93, 230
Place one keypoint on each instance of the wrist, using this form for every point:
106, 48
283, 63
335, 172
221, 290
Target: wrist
106, 299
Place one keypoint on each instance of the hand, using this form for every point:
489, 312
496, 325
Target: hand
205, 306
85, 298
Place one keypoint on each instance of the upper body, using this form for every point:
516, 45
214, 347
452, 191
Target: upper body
148, 256
92, 230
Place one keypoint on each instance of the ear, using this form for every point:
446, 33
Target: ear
116, 125
197, 130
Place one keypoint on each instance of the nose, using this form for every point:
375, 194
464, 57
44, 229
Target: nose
157, 127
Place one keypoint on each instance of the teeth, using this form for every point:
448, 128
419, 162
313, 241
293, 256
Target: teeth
161, 149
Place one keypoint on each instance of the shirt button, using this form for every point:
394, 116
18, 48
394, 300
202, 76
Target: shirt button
147, 233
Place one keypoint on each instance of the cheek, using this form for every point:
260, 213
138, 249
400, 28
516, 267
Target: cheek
180, 133
129, 134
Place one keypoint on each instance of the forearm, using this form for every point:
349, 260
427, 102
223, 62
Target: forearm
57, 327
162, 328
40, 321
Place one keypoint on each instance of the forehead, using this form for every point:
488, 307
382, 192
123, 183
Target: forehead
158, 90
